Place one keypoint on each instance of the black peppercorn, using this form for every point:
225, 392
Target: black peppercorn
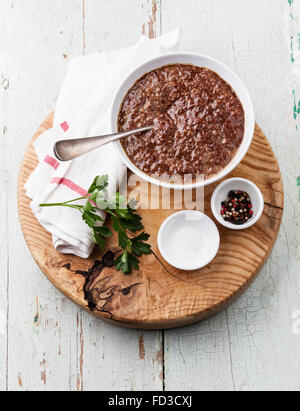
239, 205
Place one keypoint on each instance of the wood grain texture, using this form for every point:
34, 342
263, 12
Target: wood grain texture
158, 297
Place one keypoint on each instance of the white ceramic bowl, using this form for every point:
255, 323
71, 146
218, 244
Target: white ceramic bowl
198, 60
221, 193
188, 240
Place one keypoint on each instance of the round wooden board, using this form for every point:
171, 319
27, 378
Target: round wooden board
156, 297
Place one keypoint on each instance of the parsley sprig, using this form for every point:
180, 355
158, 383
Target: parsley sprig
126, 223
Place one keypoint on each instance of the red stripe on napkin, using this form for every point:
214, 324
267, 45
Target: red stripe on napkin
52, 162
72, 186
68, 183
65, 126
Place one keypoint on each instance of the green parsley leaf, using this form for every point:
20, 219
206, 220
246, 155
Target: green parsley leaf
99, 183
103, 231
139, 247
125, 221
91, 218
99, 239
126, 263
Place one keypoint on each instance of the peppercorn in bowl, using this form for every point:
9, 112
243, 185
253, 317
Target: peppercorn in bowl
237, 203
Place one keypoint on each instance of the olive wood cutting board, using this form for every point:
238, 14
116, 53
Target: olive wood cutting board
159, 296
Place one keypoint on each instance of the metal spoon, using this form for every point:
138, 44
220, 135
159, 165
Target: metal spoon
66, 150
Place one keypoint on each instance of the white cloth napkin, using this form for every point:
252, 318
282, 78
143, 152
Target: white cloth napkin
83, 109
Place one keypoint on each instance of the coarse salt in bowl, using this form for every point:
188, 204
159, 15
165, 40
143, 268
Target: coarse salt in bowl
188, 240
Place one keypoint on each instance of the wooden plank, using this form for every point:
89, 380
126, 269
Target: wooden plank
199, 357
114, 358
251, 343
151, 18
111, 358
111, 24
52, 344
4, 284
41, 329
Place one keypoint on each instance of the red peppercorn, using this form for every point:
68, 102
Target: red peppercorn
237, 208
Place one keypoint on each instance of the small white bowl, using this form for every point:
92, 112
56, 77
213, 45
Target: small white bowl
197, 60
221, 193
188, 240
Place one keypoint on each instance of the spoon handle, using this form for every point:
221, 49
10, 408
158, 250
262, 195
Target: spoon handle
66, 150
